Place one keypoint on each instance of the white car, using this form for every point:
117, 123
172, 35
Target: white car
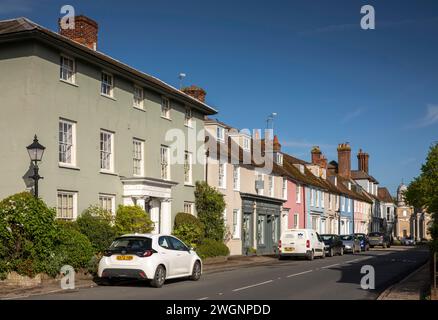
154, 257
301, 243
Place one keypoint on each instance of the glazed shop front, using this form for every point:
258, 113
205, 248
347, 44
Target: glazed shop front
261, 221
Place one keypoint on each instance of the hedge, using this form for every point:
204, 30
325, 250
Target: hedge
132, 219
188, 228
212, 248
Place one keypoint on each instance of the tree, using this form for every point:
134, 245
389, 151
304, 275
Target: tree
132, 219
423, 191
210, 205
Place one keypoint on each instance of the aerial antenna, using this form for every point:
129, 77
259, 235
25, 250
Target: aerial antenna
270, 121
181, 77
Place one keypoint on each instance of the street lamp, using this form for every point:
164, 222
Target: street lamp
36, 151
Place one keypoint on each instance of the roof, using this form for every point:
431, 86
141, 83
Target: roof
384, 195
23, 28
362, 175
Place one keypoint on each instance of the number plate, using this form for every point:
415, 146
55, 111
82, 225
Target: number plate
289, 249
124, 258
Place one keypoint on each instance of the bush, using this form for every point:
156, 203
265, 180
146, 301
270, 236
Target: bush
212, 248
74, 249
95, 223
28, 235
189, 229
210, 205
132, 219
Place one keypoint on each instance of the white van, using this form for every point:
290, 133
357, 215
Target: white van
300, 243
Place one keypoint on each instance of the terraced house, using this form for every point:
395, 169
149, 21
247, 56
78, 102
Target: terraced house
102, 122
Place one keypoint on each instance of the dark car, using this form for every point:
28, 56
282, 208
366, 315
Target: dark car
332, 244
379, 239
364, 242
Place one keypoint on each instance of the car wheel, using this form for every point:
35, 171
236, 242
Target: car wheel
159, 277
323, 254
196, 273
310, 256
280, 257
331, 253
341, 253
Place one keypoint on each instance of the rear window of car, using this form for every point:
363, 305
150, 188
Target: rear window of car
360, 236
326, 237
346, 238
131, 244
375, 234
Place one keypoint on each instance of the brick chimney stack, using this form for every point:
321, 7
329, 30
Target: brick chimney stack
323, 162
85, 31
344, 160
276, 144
316, 155
362, 158
195, 92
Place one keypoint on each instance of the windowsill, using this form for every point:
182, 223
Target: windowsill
68, 166
222, 188
237, 190
139, 108
108, 97
188, 126
166, 118
189, 184
70, 83
111, 173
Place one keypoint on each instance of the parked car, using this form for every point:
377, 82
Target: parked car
408, 241
379, 239
153, 257
364, 242
332, 244
351, 243
300, 243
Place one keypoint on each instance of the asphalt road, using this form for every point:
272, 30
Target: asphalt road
330, 278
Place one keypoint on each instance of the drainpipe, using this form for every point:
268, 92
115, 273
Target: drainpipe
304, 207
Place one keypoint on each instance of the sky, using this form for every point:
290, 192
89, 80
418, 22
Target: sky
328, 80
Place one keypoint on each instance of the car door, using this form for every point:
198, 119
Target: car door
168, 255
319, 245
183, 256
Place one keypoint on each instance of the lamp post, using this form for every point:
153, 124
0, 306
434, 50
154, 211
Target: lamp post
35, 151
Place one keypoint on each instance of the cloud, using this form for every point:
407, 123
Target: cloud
429, 119
16, 6
351, 115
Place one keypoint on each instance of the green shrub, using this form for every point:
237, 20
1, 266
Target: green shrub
396, 242
212, 248
28, 235
132, 219
210, 205
189, 229
74, 249
95, 224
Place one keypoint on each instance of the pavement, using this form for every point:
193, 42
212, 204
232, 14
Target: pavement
323, 279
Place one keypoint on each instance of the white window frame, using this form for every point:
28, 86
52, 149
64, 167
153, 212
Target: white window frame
284, 188
104, 150
112, 198
165, 108
222, 175
296, 221
188, 117
74, 195
220, 134
165, 163
190, 205
261, 239
236, 224
278, 158
236, 177
135, 160
138, 97
67, 73
317, 204
107, 84
342, 203
312, 197
72, 144
322, 199
188, 156
348, 204
270, 186
298, 193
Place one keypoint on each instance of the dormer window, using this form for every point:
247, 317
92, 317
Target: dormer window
220, 134
278, 158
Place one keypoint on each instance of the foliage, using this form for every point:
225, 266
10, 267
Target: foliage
28, 235
95, 223
210, 205
189, 229
132, 219
423, 191
212, 248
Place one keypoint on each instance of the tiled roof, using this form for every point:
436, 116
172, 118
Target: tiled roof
22, 27
384, 195
359, 175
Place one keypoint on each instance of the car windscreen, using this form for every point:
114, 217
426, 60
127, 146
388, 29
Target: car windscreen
374, 234
346, 238
131, 244
360, 236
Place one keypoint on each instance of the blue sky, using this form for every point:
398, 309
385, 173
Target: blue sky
309, 61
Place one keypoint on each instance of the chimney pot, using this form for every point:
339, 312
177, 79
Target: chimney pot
85, 31
195, 92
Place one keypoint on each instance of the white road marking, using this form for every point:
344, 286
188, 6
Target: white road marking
298, 274
205, 298
252, 286
333, 265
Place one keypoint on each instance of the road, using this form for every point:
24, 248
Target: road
331, 278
